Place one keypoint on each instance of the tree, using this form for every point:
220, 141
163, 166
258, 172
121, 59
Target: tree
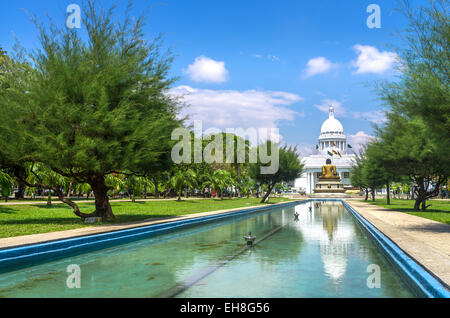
406, 148
217, 181
374, 174
423, 87
6, 183
182, 179
40, 174
357, 176
416, 139
289, 168
89, 108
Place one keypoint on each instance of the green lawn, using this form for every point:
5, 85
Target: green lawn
18, 220
438, 211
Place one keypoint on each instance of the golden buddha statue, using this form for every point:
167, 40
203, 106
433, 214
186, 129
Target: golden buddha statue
329, 171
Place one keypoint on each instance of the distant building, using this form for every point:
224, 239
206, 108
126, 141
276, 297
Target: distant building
332, 140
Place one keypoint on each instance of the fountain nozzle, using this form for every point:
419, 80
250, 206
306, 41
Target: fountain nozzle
249, 239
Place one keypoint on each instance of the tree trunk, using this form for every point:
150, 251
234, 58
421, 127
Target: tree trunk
102, 206
373, 194
155, 181
420, 195
388, 199
424, 205
367, 194
21, 174
267, 193
49, 199
20, 194
185, 193
70, 188
179, 195
417, 204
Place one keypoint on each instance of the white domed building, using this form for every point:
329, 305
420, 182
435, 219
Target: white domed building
333, 145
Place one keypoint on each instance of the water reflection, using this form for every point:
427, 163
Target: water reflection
325, 224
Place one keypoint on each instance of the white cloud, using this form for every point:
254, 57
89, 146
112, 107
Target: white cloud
371, 60
237, 109
317, 65
305, 150
358, 140
339, 110
207, 70
377, 117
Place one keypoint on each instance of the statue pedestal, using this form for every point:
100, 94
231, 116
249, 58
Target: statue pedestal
329, 188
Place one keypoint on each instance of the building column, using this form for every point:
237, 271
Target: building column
309, 183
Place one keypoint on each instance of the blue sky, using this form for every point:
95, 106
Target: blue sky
262, 63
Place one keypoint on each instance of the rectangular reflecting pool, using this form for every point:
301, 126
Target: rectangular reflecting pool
323, 252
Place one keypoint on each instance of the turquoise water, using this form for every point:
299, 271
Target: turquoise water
322, 254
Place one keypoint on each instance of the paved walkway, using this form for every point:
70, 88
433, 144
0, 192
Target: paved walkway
96, 229
427, 241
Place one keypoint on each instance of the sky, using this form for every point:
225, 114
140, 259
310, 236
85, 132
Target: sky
260, 64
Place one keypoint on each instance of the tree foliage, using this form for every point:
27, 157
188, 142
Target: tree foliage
87, 109
289, 169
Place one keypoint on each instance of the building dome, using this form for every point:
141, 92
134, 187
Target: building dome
332, 125
332, 139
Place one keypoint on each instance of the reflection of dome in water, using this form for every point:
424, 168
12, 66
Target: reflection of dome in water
334, 255
334, 250
334, 260
333, 235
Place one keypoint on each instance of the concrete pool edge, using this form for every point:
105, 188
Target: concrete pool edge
428, 284
21, 255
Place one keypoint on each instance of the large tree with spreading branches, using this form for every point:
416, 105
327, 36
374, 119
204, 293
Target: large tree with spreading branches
90, 106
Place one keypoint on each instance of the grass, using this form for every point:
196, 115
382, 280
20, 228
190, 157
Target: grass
18, 220
438, 211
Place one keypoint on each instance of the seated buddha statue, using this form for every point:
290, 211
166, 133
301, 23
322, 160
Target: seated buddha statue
329, 171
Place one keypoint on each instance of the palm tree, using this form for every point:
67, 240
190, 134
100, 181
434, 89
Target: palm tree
83, 188
39, 172
181, 180
116, 182
218, 181
6, 183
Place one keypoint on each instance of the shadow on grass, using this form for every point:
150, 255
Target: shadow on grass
123, 218
402, 208
58, 221
411, 210
7, 210
53, 206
